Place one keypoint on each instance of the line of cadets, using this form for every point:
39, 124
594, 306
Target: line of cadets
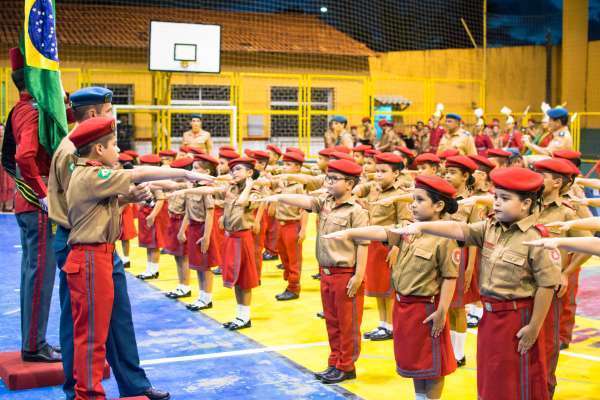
364, 214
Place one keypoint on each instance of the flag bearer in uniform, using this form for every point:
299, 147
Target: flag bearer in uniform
93, 196
380, 257
516, 282
423, 278
342, 265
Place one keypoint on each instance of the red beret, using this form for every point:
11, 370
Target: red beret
124, 157
260, 154
132, 153
242, 160
249, 153
228, 154
184, 149
371, 152
427, 158
499, 153
293, 156
388, 158
567, 154
435, 183
361, 148
274, 148
326, 152
195, 150
345, 167
227, 147
342, 149
449, 153
294, 149
338, 155
150, 159
556, 165
365, 119
16, 59
517, 179
182, 162
462, 162
167, 153
91, 130
384, 122
207, 158
406, 151
483, 163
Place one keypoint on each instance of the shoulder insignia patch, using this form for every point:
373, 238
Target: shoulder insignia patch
104, 173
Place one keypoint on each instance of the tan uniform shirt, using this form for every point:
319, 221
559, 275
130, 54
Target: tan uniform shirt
333, 218
94, 213
388, 214
201, 140
63, 164
346, 139
460, 140
389, 140
177, 204
197, 206
238, 216
509, 269
560, 210
315, 182
422, 264
284, 212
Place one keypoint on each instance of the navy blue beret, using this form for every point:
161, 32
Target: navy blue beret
339, 118
454, 116
91, 95
557, 112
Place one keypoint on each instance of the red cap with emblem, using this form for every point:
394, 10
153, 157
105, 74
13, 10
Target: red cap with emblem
195, 150
183, 162
449, 153
384, 122
499, 153
371, 152
274, 148
517, 179
206, 157
294, 149
249, 153
91, 130
567, 154
150, 159
406, 151
342, 149
132, 153
293, 156
260, 155
427, 158
557, 166
124, 157
388, 158
462, 162
16, 59
242, 160
167, 153
436, 184
361, 148
483, 163
326, 152
228, 154
345, 167
338, 155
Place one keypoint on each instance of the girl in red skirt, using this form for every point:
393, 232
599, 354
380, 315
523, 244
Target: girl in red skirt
516, 283
423, 278
128, 213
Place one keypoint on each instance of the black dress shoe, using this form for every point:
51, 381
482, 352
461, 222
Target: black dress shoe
177, 294
287, 295
268, 256
145, 276
320, 375
56, 348
155, 394
238, 324
127, 265
198, 306
217, 271
382, 334
564, 346
45, 354
280, 266
367, 335
462, 362
316, 276
337, 376
321, 315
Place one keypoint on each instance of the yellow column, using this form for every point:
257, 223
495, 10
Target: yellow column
574, 54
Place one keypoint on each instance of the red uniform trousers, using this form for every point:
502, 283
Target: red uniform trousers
378, 278
343, 316
153, 237
290, 252
418, 354
568, 308
550, 331
128, 230
239, 266
203, 261
502, 372
271, 242
172, 245
89, 271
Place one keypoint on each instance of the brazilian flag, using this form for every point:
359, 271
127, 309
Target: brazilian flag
42, 75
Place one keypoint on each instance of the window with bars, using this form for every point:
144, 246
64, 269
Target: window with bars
122, 95
205, 95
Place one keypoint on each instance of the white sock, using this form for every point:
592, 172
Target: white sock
243, 312
154, 268
389, 326
149, 267
184, 288
207, 297
459, 349
453, 339
420, 396
201, 296
477, 311
382, 324
125, 259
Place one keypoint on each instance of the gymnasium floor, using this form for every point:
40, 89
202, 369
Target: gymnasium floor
190, 355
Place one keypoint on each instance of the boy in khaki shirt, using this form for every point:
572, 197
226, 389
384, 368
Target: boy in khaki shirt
94, 215
342, 265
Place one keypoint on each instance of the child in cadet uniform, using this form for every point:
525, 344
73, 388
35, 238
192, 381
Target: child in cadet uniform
259, 229
128, 212
380, 257
423, 277
93, 198
342, 265
174, 246
272, 235
201, 231
427, 164
167, 156
499, 157
516, 282
369, 161
151, 224
358, 152
558, 175
459, 173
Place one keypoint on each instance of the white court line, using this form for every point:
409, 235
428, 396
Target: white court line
222, 354
562, 352
11, 312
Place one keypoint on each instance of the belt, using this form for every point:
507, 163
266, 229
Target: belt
415, 299
507, 305
175, 216
103, 247
337, 270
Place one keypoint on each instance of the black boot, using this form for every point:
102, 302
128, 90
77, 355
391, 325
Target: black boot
155, 394
45, 354
338, 376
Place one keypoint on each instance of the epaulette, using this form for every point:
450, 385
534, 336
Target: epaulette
542, 230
